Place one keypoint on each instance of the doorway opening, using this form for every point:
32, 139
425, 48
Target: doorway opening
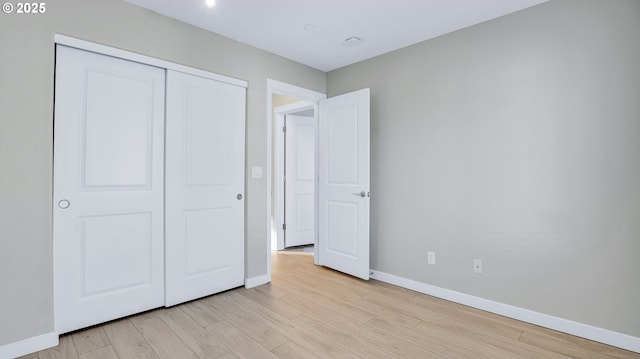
285, 100
340, 172
294, 173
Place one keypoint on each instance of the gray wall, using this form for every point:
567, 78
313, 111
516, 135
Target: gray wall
26, 130
516, 141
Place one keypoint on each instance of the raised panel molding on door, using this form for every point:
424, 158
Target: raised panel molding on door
343, 186
204, 187
108, 188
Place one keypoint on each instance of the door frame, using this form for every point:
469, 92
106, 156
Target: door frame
285, 89
279, 164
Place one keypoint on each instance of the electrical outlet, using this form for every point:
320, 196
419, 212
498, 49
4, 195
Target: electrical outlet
431, 257
477, 266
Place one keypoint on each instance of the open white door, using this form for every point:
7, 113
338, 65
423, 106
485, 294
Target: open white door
343, 186
108, 188
299, 180
204, 219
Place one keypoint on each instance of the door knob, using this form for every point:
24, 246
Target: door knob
239, 196
362, 194
64, 204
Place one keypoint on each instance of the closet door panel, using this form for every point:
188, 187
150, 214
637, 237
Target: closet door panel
204, 210
108, 188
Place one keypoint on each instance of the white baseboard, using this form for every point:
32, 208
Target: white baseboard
28, 346
256, 281
605, 336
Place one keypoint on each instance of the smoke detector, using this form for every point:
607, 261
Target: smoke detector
352, 42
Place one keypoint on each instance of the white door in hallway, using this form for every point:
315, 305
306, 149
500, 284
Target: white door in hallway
299, 180
108, 188
204, 187
344, 185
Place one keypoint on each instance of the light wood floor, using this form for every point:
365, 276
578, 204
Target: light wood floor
314, 312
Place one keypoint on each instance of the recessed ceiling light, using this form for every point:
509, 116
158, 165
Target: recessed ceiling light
210, 3
309, 27
352, 42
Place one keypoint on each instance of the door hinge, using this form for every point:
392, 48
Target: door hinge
284, 128
284, 226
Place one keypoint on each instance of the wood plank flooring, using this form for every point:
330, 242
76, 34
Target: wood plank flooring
313, 312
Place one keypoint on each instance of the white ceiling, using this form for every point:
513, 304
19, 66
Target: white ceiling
278, 26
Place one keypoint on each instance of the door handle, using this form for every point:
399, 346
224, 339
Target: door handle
239, 196
362, 194
64, 204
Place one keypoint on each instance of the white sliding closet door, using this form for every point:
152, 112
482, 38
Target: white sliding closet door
108, 188
204, 187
